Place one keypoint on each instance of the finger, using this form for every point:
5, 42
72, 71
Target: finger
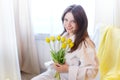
55, 66
58, 65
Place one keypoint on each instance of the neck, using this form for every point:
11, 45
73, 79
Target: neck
70, 34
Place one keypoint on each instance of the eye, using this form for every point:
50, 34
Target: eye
65, 20
73, 21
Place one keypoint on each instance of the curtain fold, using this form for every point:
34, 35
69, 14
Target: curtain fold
9, 64
117, 13
109, 53
28, 57
17, 45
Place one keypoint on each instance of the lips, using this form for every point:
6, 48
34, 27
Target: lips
69, 28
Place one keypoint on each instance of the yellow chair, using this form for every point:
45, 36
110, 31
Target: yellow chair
109, 54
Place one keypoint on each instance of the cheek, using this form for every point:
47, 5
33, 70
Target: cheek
75, 27
65, 26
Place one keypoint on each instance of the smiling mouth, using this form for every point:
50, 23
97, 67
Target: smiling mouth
69, 28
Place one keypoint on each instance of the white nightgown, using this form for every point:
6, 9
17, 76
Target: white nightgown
83, 64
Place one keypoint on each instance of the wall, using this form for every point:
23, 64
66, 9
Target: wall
104, 11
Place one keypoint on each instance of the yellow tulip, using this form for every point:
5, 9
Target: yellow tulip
63, 45
47, 40
63, 39
69, 41
71, 45
52, 38
58, 37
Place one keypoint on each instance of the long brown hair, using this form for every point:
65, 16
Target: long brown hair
82, 23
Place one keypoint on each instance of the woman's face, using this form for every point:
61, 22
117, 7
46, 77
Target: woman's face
70, 23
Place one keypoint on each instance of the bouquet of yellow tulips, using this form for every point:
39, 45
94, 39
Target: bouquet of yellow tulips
58, 47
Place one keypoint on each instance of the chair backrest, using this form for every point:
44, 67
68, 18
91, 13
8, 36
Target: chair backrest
109, 54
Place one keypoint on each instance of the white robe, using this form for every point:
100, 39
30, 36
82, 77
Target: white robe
83, 64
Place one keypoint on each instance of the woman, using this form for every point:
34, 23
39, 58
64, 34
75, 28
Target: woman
81, 61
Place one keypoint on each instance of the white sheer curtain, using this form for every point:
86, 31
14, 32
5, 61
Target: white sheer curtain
16, 40
117, 13
107, 12
26, 45
9, 65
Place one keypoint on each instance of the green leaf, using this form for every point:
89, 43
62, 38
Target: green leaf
54, 56
59, 56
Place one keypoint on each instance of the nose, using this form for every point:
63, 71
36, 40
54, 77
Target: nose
69, 24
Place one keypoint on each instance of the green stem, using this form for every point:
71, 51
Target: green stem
57, 76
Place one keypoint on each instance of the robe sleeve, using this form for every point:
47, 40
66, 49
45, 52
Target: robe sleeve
89, 64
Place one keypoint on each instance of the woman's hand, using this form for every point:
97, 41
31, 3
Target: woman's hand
61, 68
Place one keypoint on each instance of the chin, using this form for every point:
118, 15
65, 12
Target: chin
69, 31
